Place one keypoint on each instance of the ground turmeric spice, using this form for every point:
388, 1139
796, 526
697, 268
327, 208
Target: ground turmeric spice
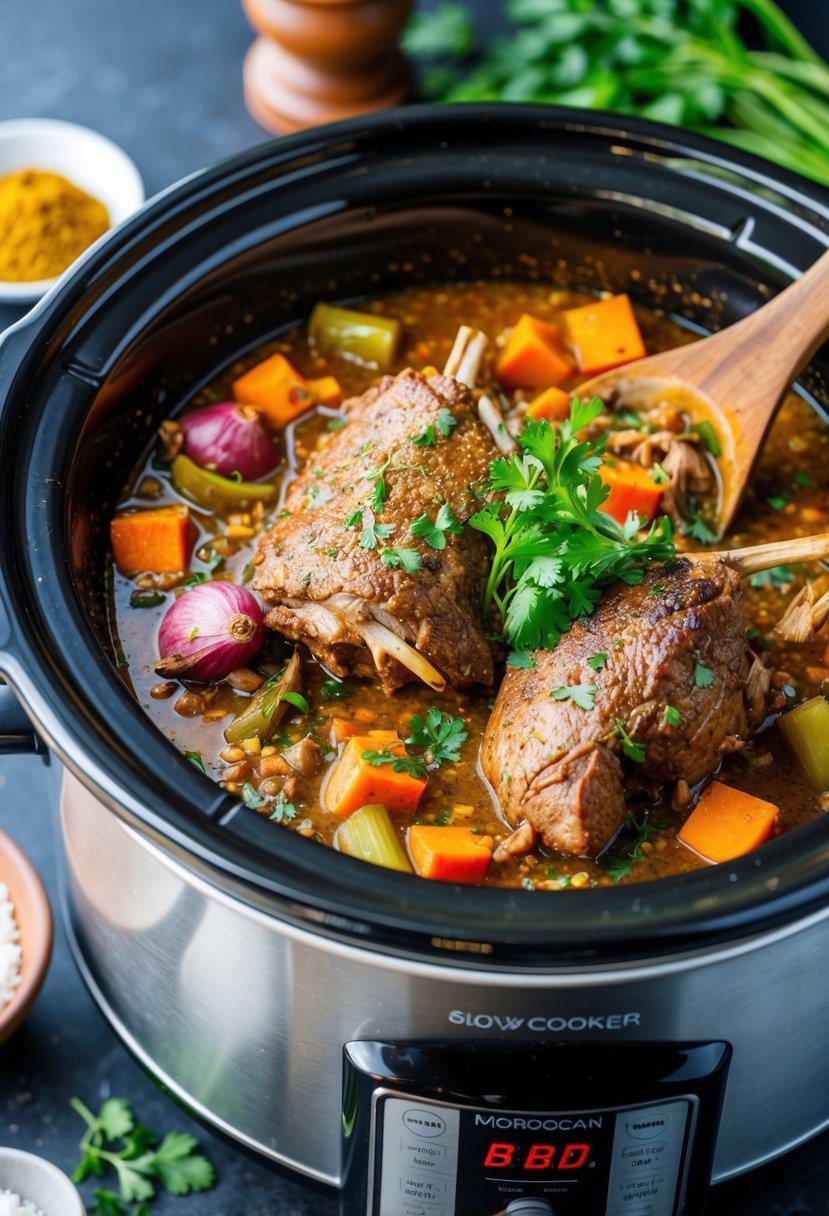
45, 223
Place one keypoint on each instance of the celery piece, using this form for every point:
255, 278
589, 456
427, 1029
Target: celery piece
217, 493
807, 730
369, 834
356, 335
268, 706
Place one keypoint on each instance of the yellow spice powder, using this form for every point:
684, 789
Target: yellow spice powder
45, 223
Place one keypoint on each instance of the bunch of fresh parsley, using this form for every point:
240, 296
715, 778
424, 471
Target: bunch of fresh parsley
555, 550
141, 1159
683, 62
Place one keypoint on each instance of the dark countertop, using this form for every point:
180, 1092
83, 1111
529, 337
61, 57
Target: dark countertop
163, 80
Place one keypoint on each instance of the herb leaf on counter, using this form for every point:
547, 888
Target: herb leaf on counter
139, 1157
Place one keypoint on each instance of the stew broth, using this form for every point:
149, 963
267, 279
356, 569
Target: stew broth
788, 498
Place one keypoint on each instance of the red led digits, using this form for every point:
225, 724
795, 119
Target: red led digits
537, 1157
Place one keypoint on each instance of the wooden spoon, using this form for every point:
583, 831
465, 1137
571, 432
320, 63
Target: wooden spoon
736, 379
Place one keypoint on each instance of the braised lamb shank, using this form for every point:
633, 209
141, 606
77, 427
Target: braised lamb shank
673, 687
325, 567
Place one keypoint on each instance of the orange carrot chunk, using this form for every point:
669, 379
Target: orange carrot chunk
157, 540
277, 390
326, 390
553, 404
450, 854
603, 334
631, 489
727, 823
533, 357
354, 782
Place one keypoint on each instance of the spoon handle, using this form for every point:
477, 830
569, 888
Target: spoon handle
751, 364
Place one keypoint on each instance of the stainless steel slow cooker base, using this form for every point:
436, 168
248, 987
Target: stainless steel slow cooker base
245, 1017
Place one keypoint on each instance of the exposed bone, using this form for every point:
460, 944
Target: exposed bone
518, 843
777, 553
465, 356
804, 616
381, 641
758, 683
493, 420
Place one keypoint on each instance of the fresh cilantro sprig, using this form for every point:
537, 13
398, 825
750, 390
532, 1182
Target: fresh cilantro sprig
140, 1158
555, 550
440, 735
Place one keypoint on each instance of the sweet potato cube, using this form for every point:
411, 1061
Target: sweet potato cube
534, 356
158, 540
603, 334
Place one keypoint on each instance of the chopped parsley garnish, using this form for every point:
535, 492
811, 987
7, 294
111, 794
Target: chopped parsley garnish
195, 580
435, 533
660, 475
708, 437
555, 550
776, 577
298, 701
583, 695
703, 676
378, 496
251, 796
283, 812
442, 735
332, 689
597, 661
335, 424
657, 589
520, 658
413, 765
195, 759
671, 716
778, 501
803, 480
405, 559
697, 527
442, 425
371, 533
618, 866
634, 751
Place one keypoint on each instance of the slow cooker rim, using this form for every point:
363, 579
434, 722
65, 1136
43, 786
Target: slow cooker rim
646, 911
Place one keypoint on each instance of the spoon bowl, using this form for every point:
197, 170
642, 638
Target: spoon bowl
735, 379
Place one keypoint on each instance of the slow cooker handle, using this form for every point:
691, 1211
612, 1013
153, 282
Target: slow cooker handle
17, 735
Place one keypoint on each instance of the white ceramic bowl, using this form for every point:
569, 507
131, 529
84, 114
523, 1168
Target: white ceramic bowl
86, 158
42, 1183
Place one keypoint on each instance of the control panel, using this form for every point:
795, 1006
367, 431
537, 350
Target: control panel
563, 1129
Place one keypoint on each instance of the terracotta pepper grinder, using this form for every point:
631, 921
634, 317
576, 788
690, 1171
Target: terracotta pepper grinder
320, 60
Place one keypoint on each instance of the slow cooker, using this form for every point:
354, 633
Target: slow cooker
426, 1049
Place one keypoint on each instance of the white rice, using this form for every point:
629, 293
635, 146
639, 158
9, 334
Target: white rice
9, 979
11, 1204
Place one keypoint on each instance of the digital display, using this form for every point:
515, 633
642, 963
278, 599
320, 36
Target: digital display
448, 1161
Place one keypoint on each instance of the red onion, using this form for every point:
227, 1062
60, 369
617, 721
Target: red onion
229, 438
209, 631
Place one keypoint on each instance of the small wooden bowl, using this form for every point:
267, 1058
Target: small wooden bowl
34, 920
